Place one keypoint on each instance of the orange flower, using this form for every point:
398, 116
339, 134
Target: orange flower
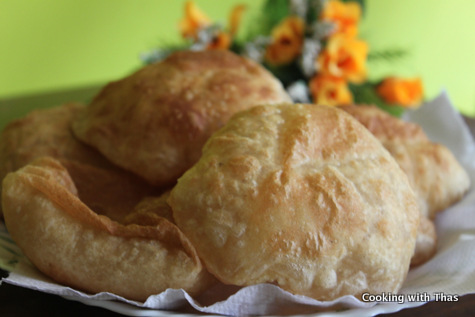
235, 18
405, 92
287, 39
193, 21
330, 91
221, 41
345, 57
345, 16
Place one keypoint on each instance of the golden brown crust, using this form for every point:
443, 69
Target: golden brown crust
150, 210
112, 193
44, 132
437, 178
433, 172
102, 186
155, 122
384, 126
67, 241
302, 196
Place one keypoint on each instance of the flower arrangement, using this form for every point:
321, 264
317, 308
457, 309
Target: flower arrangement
312, 46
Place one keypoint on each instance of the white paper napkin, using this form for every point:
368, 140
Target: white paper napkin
447, 276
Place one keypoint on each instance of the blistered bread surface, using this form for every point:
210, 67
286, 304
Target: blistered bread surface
75, 246
44, 132
155, 121
301, 196
434, 173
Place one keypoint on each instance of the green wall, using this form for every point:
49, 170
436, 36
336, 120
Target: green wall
57, 44
440, 35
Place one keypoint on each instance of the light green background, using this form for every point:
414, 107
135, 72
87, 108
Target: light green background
48, 45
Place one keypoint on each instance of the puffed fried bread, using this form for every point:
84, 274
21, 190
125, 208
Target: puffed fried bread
155, 121
435, 174
301, 196
44, 132
112, 193
426, 242
103, 186
70, 243
150, 210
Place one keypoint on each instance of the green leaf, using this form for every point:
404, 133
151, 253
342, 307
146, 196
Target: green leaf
237, 46
366, 94
314, 11
287, 74
394, 110
387, 55
361, 3
272, 12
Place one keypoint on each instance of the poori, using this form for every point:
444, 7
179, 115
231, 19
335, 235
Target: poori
72, 244
435, 174
155, 121
301, 196
102, 185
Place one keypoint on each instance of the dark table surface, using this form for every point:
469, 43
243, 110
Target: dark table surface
18, 301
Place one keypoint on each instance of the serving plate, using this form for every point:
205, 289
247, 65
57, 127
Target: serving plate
450, 271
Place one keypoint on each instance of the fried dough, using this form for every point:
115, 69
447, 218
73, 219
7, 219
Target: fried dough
301, 196
45, 132
155, 121
102, 186
150, 210
73, 245
112, 193
435, 174
426, 242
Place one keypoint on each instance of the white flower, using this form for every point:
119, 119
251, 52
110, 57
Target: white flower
299, 8
321, 30
256, 49
205, 36
299, 92
310, 51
